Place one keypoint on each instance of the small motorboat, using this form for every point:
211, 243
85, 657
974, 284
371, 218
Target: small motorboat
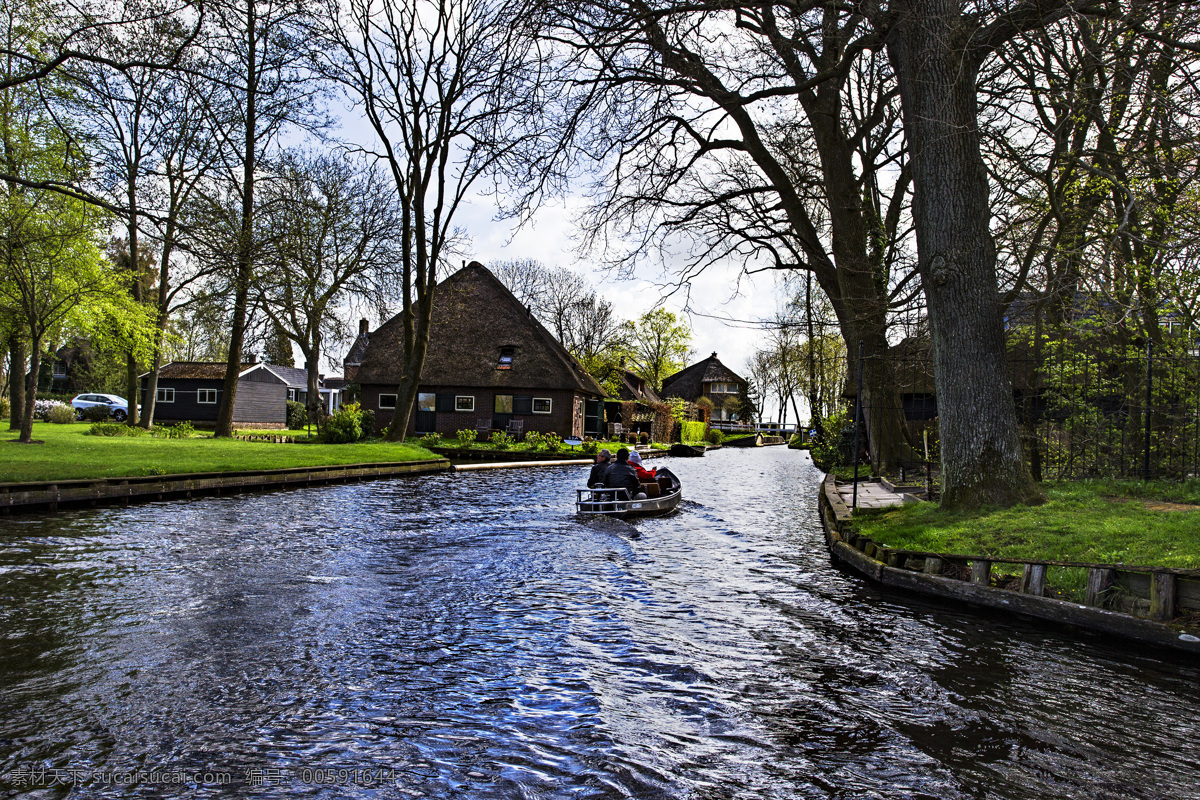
662, 497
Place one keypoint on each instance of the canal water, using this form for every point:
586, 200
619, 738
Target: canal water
465, 636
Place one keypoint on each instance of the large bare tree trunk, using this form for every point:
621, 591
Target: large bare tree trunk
31, 380
16, 380
981, 450
245, 245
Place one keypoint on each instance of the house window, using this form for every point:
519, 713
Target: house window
426, 401
506, 357
541, 405
387, 401
291, 394
206, 396
504, 404
464, 402
166, 395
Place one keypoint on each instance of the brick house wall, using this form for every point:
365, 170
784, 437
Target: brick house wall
565, 417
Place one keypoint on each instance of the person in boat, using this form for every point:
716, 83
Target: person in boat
603, 462
645, 475
622, 475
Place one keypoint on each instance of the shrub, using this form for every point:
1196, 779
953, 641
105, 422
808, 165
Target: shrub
715, 436
692, 432
590, 446
431, 440
826, 447
644, 438
116, 429
344, 425
550, 442
94, 413
41, 408
297, 415
60, 414
368, 422
5, 408
501, 440
466, 437
180, 430
796, 439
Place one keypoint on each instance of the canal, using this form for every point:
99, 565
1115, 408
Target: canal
465, 636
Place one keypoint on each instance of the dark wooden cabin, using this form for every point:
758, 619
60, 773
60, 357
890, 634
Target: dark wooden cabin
191, 391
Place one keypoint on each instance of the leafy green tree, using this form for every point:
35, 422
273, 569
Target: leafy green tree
659, 344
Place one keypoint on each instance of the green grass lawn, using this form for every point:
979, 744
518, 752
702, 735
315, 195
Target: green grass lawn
1092, 521
69, 452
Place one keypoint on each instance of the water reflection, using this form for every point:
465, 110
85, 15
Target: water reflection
472, 638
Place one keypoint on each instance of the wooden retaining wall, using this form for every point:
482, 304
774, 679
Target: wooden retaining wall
51, 495
511, 456
1148, 604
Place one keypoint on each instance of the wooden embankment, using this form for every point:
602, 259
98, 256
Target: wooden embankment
51, 495
1146, 604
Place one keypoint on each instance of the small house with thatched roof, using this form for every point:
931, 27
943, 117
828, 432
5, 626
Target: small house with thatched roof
708, 378
489, 363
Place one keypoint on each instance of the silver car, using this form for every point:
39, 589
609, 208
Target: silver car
118, 409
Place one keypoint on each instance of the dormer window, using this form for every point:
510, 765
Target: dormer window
506, 358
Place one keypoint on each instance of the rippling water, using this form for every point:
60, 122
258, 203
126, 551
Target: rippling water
466, 636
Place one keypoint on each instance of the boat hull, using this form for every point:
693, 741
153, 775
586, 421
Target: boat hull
613, 502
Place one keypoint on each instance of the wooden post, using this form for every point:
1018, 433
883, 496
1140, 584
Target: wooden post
981, 572
1162, 595
1034, 580
1100, 580
933, 566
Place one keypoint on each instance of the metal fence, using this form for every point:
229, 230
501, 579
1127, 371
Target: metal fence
1086, 408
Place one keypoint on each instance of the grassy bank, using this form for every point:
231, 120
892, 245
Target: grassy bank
1093, 521
521, 447
69, 452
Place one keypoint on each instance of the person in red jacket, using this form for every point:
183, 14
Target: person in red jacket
647, 475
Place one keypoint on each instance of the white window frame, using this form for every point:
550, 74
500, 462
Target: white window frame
165, 394
458, 406
201, 393
382, 407
549, 405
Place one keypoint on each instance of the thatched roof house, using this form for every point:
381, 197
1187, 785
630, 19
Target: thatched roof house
631, 386
489, 363
708, 378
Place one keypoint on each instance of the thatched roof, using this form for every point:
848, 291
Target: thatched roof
689, 382
215, 371
475, 318
192, 370
631, 386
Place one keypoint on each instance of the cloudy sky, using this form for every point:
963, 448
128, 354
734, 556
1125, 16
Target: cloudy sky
714, 297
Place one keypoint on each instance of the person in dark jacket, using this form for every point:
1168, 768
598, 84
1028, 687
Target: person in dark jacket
623, 476
603, 462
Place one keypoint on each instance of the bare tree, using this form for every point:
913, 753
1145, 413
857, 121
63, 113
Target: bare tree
335, 218
763, 133
438, 80
257, 49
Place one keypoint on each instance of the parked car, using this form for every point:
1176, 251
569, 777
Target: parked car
118, 409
